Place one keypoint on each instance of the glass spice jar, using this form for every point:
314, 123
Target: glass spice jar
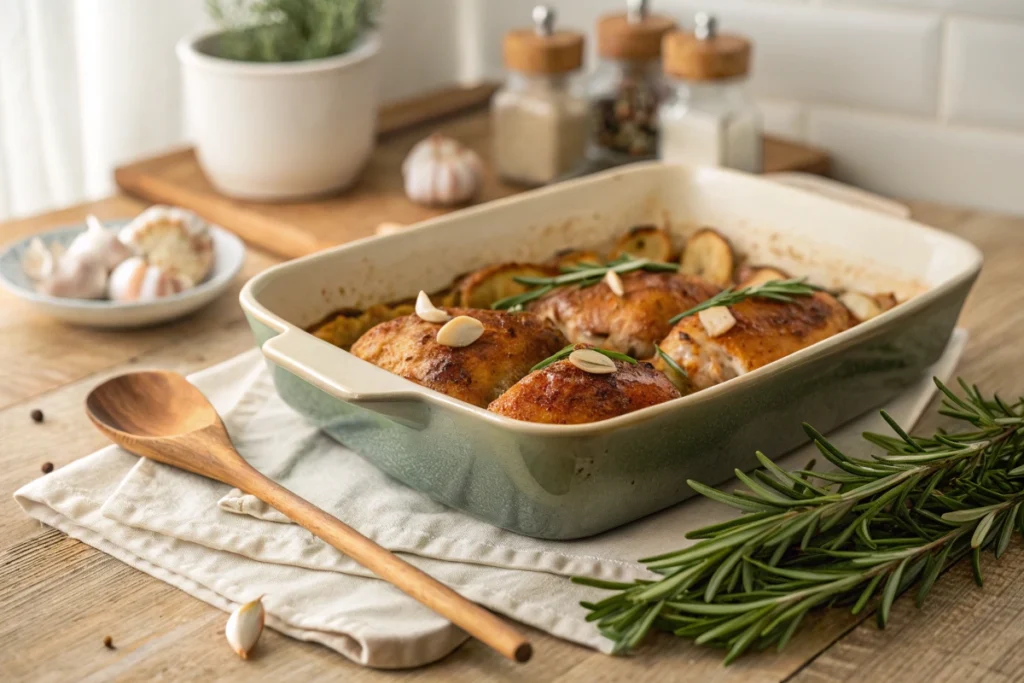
708, 116
626, 87
540, 115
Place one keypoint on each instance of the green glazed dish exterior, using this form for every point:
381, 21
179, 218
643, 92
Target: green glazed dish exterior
564, 483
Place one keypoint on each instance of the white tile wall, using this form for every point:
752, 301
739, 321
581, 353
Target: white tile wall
908, 158
985, 72
915, 98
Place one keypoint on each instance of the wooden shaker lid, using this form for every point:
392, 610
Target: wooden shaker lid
705, 54
541, 49
633, 36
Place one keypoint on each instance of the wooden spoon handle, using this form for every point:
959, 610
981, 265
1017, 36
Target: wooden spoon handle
469, 616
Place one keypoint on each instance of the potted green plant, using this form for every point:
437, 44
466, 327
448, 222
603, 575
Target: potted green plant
282, 99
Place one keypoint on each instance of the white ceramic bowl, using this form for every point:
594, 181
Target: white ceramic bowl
229, 256
277, 131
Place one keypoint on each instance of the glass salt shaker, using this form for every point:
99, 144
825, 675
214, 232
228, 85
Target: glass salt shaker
708, 116
540, 115
626, 87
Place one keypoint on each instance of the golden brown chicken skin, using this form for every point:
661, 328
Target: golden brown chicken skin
631, 324
561, 393
510, 345
765, 331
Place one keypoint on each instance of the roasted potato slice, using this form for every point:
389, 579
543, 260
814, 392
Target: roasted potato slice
645, 241
483, 287
750, 276
346, 327
708, 255
861, 306
885, 300
566, 258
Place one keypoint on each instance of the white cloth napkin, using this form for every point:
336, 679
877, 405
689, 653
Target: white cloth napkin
225, 547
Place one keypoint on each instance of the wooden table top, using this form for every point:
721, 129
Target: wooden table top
60, 597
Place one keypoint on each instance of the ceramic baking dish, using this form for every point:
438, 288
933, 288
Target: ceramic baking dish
567, 481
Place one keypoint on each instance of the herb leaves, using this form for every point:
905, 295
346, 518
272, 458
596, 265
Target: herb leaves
852, 537
776, 290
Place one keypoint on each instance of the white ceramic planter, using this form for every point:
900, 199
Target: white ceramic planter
278, 131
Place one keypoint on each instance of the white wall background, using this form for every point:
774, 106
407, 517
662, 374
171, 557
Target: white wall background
914, 98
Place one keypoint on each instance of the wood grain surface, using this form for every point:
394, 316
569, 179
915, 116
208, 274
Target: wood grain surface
300, 228
59, 597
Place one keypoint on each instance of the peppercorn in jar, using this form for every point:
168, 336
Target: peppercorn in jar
626, 87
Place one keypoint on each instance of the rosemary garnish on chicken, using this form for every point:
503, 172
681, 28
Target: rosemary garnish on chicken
777, 290
564, 352
856, 536
584, 275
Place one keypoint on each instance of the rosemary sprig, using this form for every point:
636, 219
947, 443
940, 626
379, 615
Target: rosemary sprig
852, 537
565, 351
777, 290
583, 275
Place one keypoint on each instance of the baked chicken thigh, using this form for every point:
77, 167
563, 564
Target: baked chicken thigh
765, 331
562, 393
510, 345
632, 323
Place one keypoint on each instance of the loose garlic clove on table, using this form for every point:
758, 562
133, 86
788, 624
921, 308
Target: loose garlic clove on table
245, 626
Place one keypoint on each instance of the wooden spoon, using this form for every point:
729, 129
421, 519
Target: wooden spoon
160, 415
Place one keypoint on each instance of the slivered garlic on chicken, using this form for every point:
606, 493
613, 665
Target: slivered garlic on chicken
716, 320
862, 306
245, 626
594, 362
460, 331
426, 310
614, 282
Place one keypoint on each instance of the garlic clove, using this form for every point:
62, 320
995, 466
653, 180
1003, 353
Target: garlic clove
716, 320
137, 280
614, 283
75, 278
460, 331
594, 362
38, 261
389, 228
245, 626
426, 310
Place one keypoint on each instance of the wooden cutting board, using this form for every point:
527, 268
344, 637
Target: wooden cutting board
298, 228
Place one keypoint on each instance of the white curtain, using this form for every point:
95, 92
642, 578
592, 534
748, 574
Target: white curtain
86, 85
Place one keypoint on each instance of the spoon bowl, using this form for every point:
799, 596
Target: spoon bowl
162, 416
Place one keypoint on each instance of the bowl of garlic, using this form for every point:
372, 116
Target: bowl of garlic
163, 264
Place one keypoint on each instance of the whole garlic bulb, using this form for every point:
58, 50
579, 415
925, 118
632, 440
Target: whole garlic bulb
97, 244
75, 278
172, 239
441, 171
136, 280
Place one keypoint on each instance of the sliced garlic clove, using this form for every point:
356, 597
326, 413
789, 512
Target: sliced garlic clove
716, 320
862, 306
426, 310
594, 362
614, 282
245, 626
460, 331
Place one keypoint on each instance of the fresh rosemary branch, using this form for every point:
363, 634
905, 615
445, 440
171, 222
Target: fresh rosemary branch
583, 275
853, 537
565, 351
777, 290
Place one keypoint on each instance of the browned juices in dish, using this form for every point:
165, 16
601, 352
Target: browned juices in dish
630, 324
765, 331
510, 345
562, 393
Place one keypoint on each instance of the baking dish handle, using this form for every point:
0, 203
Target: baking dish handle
346, 377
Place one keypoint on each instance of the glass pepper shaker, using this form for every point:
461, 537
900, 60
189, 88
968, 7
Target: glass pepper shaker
708, 116
626, 87
539, 116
